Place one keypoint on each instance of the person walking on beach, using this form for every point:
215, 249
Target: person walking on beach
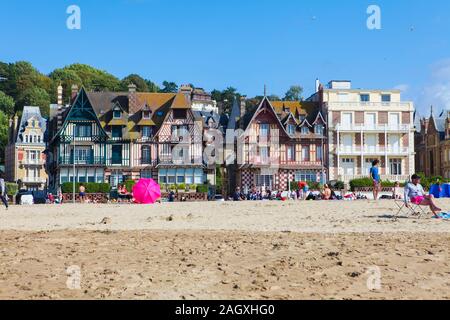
3, 195
375, 176
82, 191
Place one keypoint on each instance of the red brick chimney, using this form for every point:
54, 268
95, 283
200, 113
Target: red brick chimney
132, 99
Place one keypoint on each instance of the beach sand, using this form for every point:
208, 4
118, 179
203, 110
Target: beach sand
248, 250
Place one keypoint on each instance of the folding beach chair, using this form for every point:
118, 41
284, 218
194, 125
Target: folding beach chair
409, 209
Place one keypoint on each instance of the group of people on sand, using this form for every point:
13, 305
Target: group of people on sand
413, 192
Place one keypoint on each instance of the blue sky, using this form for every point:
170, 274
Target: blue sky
245, 44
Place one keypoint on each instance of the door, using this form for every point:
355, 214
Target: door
394, 120
347, 119
370, 120
347, 142
116, 155
370, 143
394, 143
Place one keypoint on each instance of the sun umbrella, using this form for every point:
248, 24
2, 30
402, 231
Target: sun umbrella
146, 191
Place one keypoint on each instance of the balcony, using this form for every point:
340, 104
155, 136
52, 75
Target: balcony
30, 162
366, 150
373, 127
404, 106
389, 177
33, 180
88, 161
168, 160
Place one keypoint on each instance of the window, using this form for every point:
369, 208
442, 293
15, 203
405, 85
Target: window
179, 114
171, 174
290, 153
305, 130
146, 131
116, 154
189, 176
264, 181
364, 97
116, 131
180, 132
83, 130
396, 166
264, 129
146, 155
264, 154
291, 129
146, 174
385, 98
117, 114
319, 153
82, 155
306, 175
180, 176
305, 153
318, 129
145, 114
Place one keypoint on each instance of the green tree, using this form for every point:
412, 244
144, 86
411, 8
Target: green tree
169, 87
226, 98
6, 104
141, 83
4, 128
35, 97
66, 78
93, 79
152, 87
294, 94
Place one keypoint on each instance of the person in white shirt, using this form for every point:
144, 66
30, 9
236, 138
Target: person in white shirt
414, 191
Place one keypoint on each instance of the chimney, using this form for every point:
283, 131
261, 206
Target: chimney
243, 109
74, 92
317, 85
187, 91
60, 90
132, 98
16, 126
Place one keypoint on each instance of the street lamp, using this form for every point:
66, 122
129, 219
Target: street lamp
74, 167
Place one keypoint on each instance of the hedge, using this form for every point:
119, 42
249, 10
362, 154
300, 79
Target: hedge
91, 187
129, 184
203, 188
12, 188
367, 183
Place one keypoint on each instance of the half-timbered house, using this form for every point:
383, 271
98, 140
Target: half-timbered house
281, 142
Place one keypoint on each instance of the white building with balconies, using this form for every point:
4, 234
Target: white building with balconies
367, 125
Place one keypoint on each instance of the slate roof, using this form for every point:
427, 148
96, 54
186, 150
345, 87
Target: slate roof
28, 113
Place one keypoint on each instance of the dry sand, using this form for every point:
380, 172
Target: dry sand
259, 250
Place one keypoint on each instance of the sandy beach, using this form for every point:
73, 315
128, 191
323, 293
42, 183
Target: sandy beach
257, 250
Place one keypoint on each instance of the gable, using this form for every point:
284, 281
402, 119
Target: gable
266, 113
82, 110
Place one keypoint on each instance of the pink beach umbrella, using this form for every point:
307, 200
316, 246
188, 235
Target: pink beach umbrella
146, 191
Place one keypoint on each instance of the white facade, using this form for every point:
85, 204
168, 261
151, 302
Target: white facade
368, 125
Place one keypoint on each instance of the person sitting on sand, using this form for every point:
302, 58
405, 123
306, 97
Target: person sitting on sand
414, 191
326, 195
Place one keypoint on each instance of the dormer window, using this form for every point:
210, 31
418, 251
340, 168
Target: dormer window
318, 129
305, 130
117, 114
291, 129
146, 132
146, 114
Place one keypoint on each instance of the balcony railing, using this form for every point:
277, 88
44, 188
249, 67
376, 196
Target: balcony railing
367, 150
33, 180
374, 127
84, 161
30, 162
355, 104
389, 177
169, 160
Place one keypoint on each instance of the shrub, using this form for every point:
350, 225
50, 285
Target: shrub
193, 187
203, 188
339, 185
129, 184
181, 187
367, 183
91, 187
11, 188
